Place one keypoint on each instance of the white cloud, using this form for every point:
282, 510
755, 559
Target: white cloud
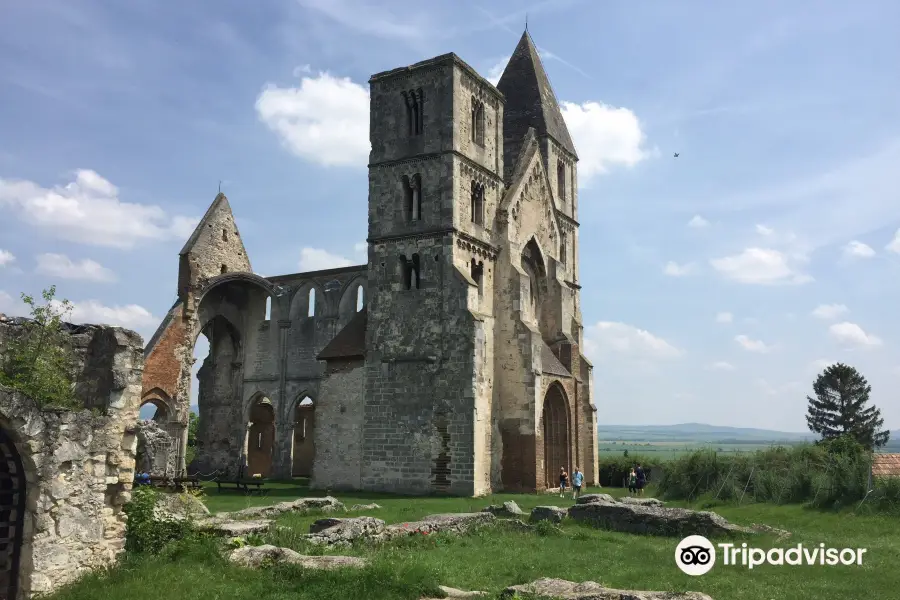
620, 339
604, 136
722, 366
60, 265
760, 266
673, 269
857, 249
361, 247
894, 245
698, 222
851, 334
751, 345
820, 364
130, 316
8, 305
316, 259
88, 211
6, 258
324, 121
724, 317
495, 71
765, 231
829, 311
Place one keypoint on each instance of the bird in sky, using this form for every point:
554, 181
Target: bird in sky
676, 155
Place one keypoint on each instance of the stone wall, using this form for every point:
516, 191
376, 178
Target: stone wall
79, 465
338, 433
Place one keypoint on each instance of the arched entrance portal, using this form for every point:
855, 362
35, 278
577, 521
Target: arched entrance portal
261, 438
12, 516
304, 448
556, 434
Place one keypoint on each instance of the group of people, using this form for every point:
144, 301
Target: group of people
637, 479
577, 480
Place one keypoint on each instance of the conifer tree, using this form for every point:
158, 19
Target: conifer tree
840, 408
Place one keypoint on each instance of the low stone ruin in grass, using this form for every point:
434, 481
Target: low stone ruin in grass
560, 589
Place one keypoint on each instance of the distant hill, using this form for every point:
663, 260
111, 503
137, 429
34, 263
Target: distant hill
698, 432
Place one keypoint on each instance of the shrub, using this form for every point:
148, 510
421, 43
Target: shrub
147, 531
612, 470
38, 362
826, 475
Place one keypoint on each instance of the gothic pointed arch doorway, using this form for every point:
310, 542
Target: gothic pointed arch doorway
304, 452
261, 437
12, 516
555, 419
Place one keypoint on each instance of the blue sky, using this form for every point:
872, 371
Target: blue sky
715, 285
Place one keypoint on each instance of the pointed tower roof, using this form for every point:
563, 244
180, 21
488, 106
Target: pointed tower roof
220, 202
530, 101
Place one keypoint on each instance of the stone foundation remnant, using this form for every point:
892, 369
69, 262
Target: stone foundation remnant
155, 450
66, 474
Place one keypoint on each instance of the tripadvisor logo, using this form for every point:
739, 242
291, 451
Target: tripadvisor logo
696, 555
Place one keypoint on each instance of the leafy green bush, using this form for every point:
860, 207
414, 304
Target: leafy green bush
147, 531
613, 470
38, 363
829, 475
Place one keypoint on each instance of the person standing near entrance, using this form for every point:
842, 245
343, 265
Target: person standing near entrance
577, 479
563, 481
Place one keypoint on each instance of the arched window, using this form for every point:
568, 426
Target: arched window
224, 235
414, 113
224, 269
563, 248
411, 271
412, 197
561, 182
312, 303
360, 299
477, 272
269, 308
477, 203
477, 124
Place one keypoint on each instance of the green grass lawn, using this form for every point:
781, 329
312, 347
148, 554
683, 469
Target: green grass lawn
495, 558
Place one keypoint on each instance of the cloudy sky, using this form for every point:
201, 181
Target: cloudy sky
716, 284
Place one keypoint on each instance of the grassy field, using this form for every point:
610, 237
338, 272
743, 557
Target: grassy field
495, 558
665, 450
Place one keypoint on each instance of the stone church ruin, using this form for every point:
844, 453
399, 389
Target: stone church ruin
65, 475
451, 361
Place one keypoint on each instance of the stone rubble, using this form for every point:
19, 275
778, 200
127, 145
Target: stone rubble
641, 501
357, 507
155, 450
343, 532
560, 589
234, 528
255, 557
300, 505
653, 520
455, 594
507, 509
553, 514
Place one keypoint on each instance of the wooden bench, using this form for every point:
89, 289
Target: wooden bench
241, 484
183, 483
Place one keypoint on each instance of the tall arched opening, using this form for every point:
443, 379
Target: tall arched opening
304, 446
261, 437
12, 516
555, 419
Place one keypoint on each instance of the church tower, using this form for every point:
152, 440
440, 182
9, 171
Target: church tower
435, 185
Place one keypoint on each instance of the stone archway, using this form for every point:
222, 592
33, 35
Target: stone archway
261, 437
555, 419
304, 447
12, 516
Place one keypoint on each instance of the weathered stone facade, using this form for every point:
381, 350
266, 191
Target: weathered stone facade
72, 471
450, 362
